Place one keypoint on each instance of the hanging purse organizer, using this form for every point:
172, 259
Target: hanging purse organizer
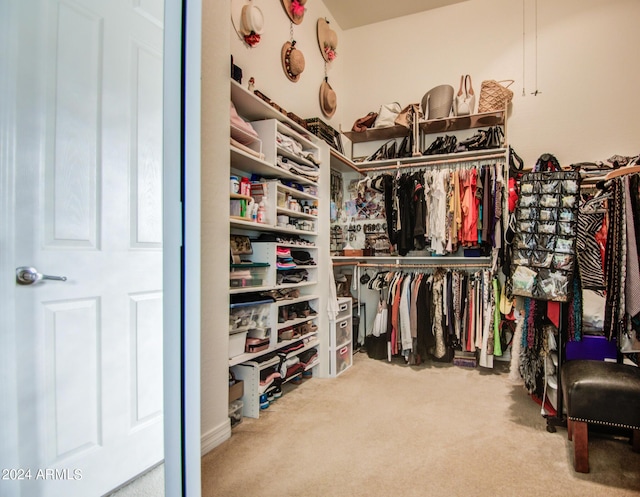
544, 245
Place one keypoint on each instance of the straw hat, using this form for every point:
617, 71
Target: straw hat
251, 20
327, 39
294, 9
292, 61
328, 100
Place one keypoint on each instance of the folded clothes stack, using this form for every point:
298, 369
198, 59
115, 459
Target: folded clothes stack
284, 259
292, 276
308, 356
302, 258
294, 147
311, 173
291, 367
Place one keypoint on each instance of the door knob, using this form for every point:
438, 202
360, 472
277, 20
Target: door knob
28, 275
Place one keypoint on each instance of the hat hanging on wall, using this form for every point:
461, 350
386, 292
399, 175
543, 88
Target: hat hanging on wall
294, 9
292, 61
248, 21
328, 100
327, 40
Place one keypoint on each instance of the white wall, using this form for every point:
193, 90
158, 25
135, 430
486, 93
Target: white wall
214, 388
586, 72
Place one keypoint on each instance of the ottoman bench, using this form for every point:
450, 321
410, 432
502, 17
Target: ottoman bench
603, 393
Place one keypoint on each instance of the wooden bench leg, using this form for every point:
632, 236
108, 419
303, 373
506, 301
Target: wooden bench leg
580, 446
569, 429
636, 440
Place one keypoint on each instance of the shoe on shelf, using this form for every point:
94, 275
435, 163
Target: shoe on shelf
264, 401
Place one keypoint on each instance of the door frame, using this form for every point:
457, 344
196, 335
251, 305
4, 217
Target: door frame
8, 333
181, 246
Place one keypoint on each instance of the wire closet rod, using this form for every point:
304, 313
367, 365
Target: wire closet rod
426, 266
432, 163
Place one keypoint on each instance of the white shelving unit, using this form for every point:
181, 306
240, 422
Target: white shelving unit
294, 198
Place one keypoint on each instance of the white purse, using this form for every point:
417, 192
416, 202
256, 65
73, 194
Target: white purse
465, 101
387, 115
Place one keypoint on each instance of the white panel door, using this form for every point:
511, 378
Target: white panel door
89, 208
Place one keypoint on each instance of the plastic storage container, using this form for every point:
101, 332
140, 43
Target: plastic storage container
248, 275
343, 358
237, 343
343, 332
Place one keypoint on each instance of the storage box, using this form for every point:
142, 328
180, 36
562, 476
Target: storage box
247, 316
353, 252
592, 347
343, 332
237, 343
236, 390
343, 358
248, 274
344, 307
235, 412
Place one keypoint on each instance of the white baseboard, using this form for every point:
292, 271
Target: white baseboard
215, 437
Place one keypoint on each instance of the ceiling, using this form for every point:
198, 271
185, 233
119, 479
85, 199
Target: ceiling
354, 13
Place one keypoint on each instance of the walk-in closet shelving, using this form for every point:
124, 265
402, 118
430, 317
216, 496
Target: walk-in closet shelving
431, 127
290, 214
352, 167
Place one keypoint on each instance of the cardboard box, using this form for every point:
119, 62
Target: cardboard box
236, 390
353, 253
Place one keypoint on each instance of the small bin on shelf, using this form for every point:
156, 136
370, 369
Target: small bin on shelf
237, 343
248, 274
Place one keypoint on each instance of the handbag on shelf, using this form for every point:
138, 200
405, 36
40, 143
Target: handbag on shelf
465, 100
406, 116
494, 95
364, 123
387, 115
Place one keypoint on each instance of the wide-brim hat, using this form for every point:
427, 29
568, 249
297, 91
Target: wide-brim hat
246, 17
328, 99
437, 102
292, 61
251, 20
327, 37
299, 4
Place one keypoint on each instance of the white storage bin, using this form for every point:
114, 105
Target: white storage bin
343, 359
343, 332
344, 307
236, 343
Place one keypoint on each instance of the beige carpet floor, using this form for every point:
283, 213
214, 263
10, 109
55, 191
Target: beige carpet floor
386, 429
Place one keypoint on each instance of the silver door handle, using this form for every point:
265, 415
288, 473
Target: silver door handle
29, 275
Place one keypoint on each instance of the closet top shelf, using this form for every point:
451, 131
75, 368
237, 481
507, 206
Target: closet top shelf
254, 108
433, 126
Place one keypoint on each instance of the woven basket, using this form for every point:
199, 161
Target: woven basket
494, 95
